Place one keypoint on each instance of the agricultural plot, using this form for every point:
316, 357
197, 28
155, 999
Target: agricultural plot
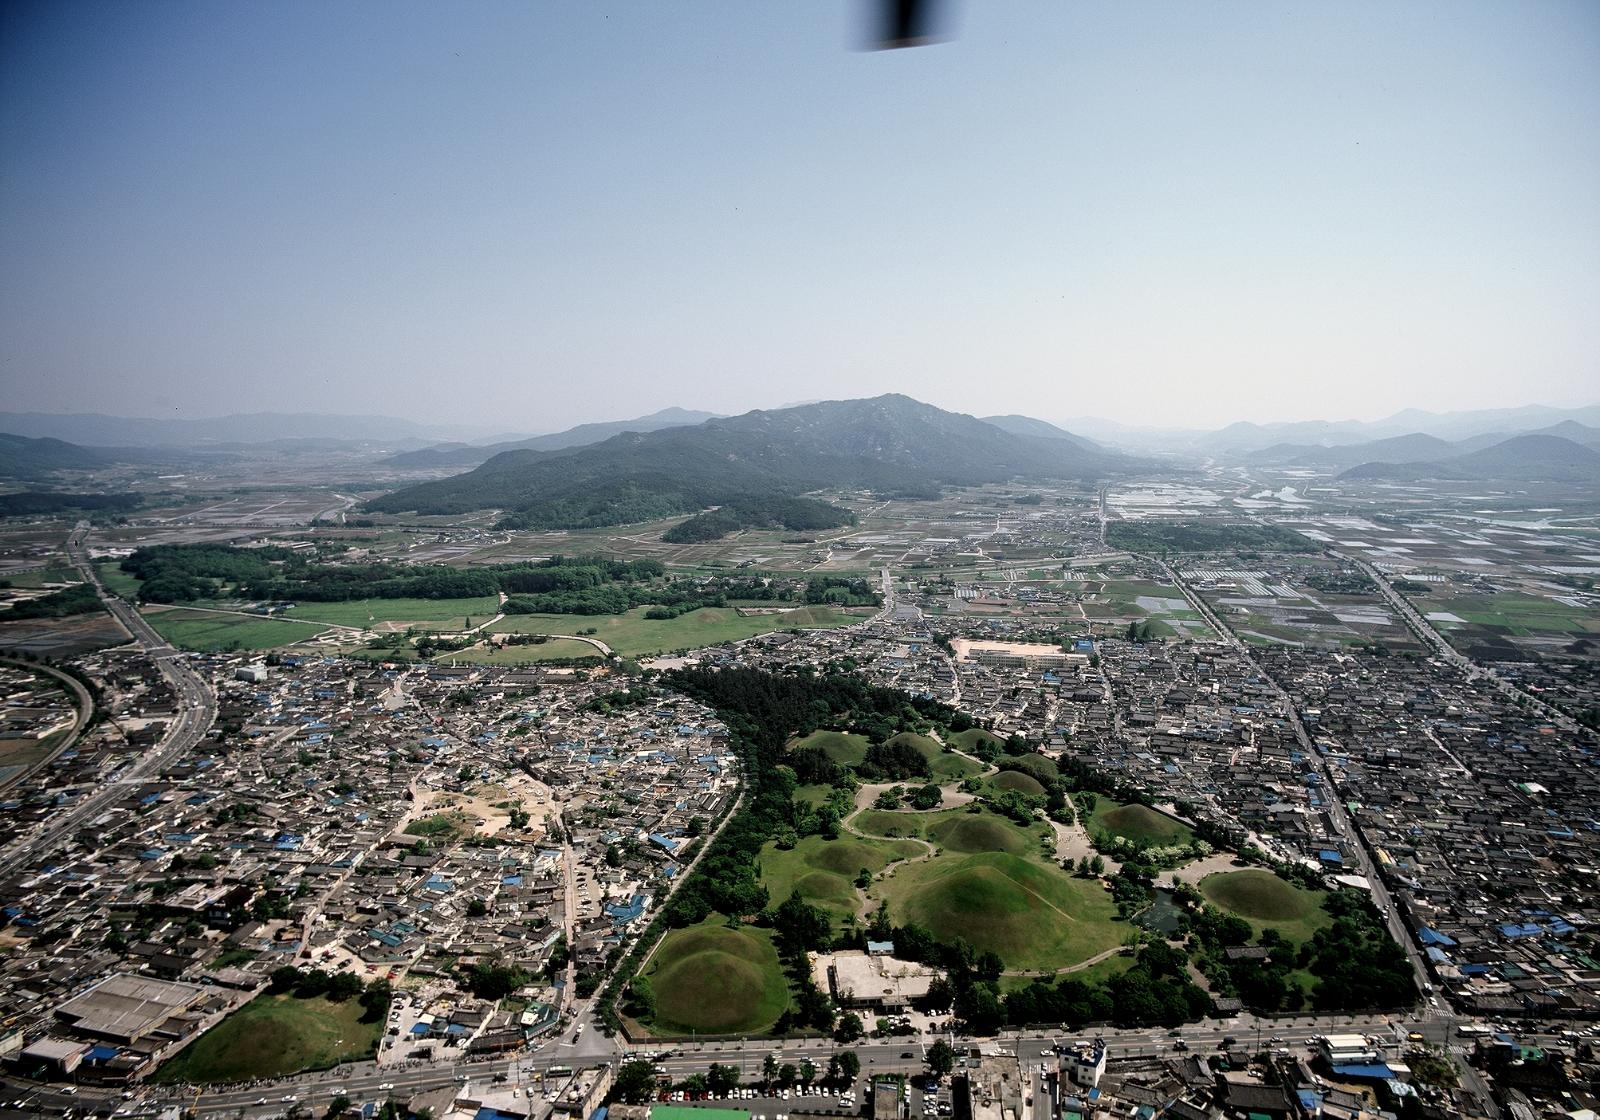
276, 1036
633, 635
207, 630
712, 979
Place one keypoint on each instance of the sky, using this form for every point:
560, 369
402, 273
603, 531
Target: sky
528, 215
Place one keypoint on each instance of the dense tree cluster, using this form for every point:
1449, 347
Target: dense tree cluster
1160, 536
795, 514
893, 761
38, 503
80, 598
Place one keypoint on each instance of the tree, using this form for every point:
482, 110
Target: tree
808, 1071
849, 1066
941, 1058
722, 1078
849, 1028
769, 1069
338, 1105
477, 908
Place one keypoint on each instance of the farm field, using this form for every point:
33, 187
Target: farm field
633, 635
275, 1036
365, 613
824, 871
1138, 823
118, 581
205, 631
1266, 901
710, 979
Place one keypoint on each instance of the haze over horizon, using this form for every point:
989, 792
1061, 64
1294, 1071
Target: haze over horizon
530, 218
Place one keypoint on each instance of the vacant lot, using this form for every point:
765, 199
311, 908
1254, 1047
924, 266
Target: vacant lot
710, 979
205, 630
275, 1036
1264, 900
633, 635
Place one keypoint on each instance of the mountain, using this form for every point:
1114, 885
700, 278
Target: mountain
1526, 458
97, 429
468, 455
1028, 426
22, 457
1415, 447
890, 443
1581, 434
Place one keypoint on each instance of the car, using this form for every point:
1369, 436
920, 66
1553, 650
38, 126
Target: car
1230, 1041
261, 1100
386, 1086
70, 1089
288, 1098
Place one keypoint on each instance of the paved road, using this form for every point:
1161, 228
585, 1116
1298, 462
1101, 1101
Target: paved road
195, 705
85, 712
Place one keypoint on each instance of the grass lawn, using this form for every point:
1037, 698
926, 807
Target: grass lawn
275, 1036
815, 796
633, 635
365, 612
710, 979
1138, 823
1031, 913
42, 576
824, 871
1264, 900
841, 746
204, 630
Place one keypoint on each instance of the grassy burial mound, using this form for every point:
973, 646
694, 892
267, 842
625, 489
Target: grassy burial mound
975, 739
972, 833
1030, 913
944, 765
842, 747
275, 1036
824, 871
1266, 901
710, 979
1017, 782
1139, 824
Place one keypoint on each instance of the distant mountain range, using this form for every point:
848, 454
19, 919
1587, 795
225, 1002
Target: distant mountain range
95, 429
32, 459
1028, 426
470, 455
891, 443
1538, 457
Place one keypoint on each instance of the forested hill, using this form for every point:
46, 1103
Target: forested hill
890, 443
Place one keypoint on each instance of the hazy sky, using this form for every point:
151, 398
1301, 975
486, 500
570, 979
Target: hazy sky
527, 215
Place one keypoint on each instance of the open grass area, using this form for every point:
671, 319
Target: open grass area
40, 577
275, 1036
1138, 823
1264, 900
1017, 782
824, 871
841, 746
368, 612
955, 829
633, 635
1031, 913
206, 630
710, 979
813, 795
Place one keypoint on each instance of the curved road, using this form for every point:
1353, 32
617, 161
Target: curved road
196, 707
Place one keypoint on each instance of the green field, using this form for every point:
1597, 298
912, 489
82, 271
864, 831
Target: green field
119, 582
205, 630
824, 871
1138, 823
709, 979
813, 796
275, 1036
841, 746
1519, 615
369, 612
41, 576
1264, 900
633, 635
1031, 913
